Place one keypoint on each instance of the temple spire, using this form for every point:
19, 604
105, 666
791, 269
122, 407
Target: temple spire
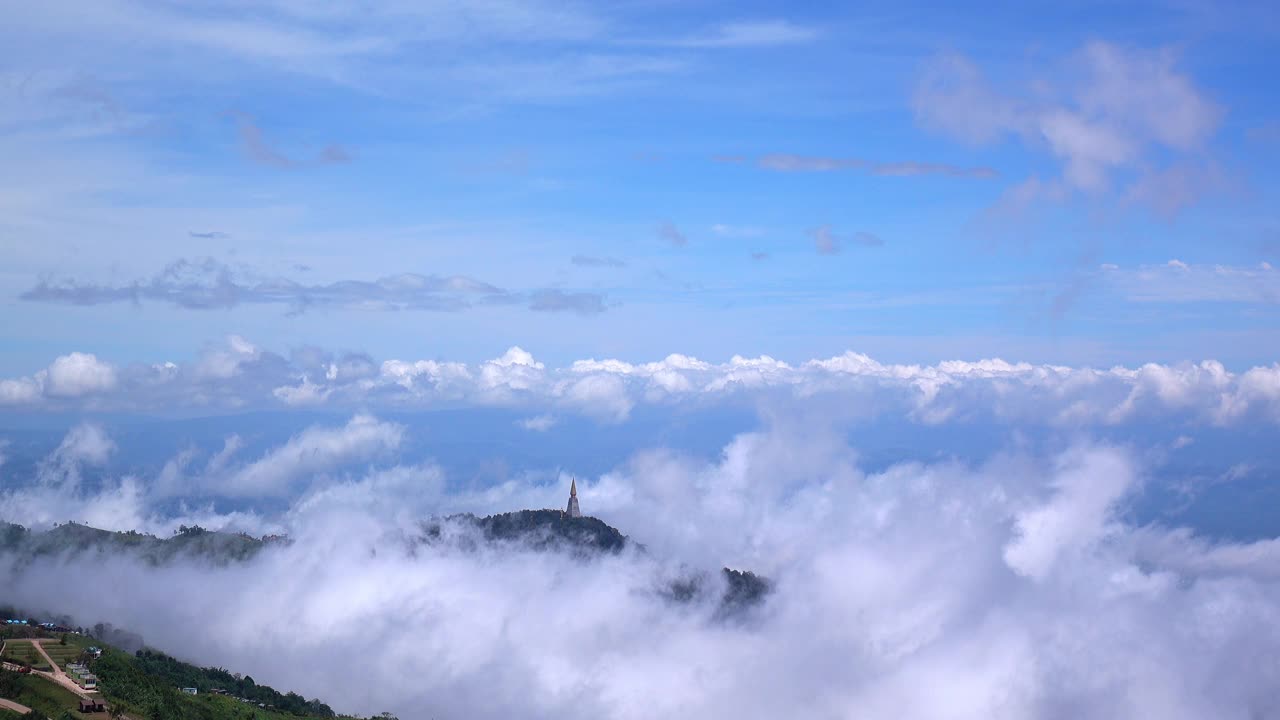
572, 510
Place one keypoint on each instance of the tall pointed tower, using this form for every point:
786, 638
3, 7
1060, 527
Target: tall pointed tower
572, 510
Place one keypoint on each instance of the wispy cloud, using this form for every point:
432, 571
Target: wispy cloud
257, 149
669, 232
538, 423
582, 303
1180, 282
1107, 114
208, 235
782, 162
736, 231
826, 242
207, 284
594, 261
750, 34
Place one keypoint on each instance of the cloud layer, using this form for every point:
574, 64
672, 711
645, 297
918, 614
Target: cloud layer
236, 374
207, 284
1011, 588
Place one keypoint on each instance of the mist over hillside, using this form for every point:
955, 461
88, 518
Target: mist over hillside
1023, 570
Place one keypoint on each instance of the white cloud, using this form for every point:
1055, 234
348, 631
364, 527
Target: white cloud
1180, 282
20, 391
1107, 114
311, 452
225, 361
59, 495
240, 376
1089, 482
1012, 588
538, 423
79, 374
306, 393
86, 443
600, 395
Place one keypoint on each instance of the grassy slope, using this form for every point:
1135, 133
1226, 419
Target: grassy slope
45, 696
24, 652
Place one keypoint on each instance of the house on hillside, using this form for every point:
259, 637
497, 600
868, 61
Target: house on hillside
189, 691
92, 705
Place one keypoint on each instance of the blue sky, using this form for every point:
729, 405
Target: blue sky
1087, 184
958, 322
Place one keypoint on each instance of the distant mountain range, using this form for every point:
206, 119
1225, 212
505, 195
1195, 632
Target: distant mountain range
76, 539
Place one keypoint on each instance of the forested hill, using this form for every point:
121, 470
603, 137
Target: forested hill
541, 530
586, 537
77, 539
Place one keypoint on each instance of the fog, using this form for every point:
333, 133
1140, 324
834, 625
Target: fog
1015, 587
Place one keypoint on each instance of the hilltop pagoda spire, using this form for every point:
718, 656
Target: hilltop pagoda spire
572, 510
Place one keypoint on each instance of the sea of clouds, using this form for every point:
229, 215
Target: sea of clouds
1018, 586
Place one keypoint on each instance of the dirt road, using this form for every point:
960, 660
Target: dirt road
57, 675
11, 705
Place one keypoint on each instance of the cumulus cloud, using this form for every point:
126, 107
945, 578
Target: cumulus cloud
75, 376
207, 283
1106, 114
78, 374
1012, 588
236, 374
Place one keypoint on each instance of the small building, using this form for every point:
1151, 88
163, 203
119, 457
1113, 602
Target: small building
88, 705
190, 691
89, 681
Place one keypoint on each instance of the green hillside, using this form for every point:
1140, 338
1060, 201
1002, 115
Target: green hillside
146, 686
